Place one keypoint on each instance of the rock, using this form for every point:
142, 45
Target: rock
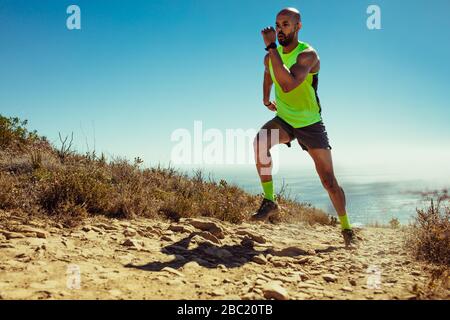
38, 232
303, 260
278, 263
96, 229
347, 289
253, 236
11, 235
352, 282
416, 273
249, 296
260, 259
166, 238
173, 271
180, 228
222, 267
129, 232
218, 293
6, 246
192, 265
131, 243
209, 236
260, 282
293, 252
329, 277
273, 290
105, 226
86, 228
212, 227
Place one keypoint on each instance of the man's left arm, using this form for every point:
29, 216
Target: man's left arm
289, 79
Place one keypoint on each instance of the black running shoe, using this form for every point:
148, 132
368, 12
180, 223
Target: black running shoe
267, 209
349, 237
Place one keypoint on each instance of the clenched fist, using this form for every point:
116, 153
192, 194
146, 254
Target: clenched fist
269, 35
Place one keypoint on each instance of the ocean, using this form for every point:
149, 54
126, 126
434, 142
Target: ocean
371, 198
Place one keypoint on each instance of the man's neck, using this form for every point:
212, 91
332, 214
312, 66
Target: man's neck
290, 46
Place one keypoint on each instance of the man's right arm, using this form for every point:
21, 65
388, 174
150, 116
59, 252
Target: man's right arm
267, 86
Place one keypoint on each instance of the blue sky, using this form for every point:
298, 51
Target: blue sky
138, 70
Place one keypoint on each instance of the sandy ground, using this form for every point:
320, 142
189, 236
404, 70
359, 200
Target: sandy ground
202, 259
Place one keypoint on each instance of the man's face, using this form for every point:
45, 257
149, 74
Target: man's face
286, 28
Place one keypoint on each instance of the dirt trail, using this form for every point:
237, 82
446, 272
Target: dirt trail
201, 259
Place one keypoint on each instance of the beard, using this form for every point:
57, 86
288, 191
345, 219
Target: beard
286, 40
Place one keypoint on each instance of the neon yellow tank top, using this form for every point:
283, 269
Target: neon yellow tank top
301, 106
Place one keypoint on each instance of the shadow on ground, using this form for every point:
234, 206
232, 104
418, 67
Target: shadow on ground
210, 255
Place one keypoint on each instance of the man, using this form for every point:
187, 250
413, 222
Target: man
293, 67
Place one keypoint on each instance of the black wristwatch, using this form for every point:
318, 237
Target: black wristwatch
268, 104
273, 45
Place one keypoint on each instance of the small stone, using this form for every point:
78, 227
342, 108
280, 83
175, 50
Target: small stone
218, 293
209, 236
180, 228
329, 277
212, 227
86, 228
192, 265
172, 271
293, 252
416, 273
347, 289
253, 236
260, 259
129, 232
106, 226
273, 290
11, 235
130, 243
352, 282
166, 238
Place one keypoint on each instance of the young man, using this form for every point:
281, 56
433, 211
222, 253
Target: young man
293, 67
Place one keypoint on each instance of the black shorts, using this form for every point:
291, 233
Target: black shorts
313, 136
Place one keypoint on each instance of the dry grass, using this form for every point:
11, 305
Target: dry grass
428, 240
38, 178
430, 234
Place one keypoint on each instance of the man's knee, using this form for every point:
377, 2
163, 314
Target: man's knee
262, 143
329, 181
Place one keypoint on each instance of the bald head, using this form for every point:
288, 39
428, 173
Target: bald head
293, 13
288, 25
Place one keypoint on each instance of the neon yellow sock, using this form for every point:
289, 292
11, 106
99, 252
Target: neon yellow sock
268, 190
345, 224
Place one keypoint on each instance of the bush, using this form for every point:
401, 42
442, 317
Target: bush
62, 183
430, 235
76, 186
13, 132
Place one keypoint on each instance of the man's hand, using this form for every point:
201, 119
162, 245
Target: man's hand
269, 35
272, 106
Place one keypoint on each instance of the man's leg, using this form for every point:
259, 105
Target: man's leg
324, 166
270, 135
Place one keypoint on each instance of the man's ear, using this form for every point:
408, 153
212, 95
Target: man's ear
298, 26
